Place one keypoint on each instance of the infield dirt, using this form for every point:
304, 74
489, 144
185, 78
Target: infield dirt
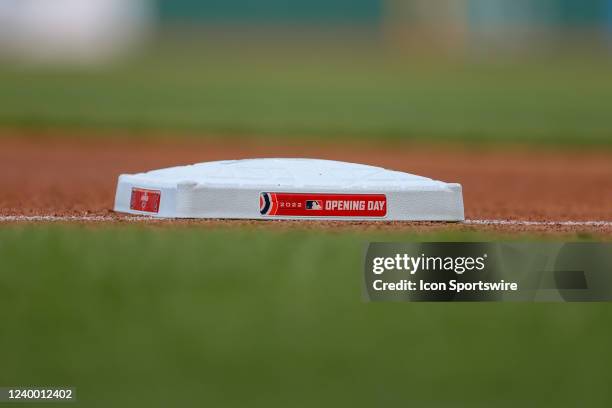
77, 175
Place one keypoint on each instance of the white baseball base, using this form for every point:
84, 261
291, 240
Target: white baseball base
289, 189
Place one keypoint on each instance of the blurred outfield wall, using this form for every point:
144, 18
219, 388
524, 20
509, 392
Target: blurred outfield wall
94, 30
451, 24
271, 11
560, 12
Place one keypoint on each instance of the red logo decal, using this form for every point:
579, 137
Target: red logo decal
145, 200
323, 205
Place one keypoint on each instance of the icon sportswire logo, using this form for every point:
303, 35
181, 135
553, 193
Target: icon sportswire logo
322, 205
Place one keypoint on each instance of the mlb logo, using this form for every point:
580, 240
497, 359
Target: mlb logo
314, 205
145, 200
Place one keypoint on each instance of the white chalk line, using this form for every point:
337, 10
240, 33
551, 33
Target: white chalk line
541, 223
109, 218
75, 218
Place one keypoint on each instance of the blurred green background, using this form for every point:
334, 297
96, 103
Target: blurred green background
460, 70
161, 316
212, 92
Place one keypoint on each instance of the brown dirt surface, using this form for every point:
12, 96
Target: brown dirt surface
77, 176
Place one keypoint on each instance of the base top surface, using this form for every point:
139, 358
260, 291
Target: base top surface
287, 173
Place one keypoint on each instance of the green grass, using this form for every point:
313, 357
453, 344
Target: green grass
366, 94
191, 317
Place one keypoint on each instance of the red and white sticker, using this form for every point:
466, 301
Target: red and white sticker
323, 205
145, 200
